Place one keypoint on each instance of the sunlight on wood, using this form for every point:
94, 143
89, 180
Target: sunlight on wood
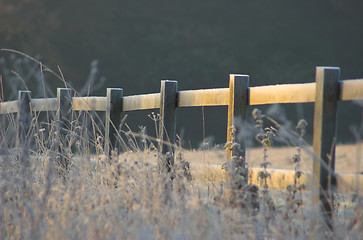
89, 103
141, 102
351, 90
204, 97
285, 93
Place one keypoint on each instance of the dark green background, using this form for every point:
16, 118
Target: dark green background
198, 43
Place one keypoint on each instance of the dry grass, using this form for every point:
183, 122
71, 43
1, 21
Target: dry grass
130, 197
281, 157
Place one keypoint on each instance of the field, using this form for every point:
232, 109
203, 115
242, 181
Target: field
131, 198
281, 158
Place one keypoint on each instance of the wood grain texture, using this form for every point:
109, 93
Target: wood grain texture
113, 117
9, 107
89, 103
24, 118
324, 138
351, 89
141, 102
204, 97
64, 102
237, 111
167, 122
285, 93
65, 118
44, 104
237, 116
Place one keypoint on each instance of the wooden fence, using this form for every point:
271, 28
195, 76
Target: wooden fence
325, 92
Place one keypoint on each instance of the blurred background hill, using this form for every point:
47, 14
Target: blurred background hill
135, 44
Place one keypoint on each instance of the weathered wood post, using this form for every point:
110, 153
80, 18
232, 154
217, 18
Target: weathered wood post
64, 116
113, 118
324, 140
24, 118
237, 115
167, 122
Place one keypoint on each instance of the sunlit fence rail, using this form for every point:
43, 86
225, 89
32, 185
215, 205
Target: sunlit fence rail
325, 93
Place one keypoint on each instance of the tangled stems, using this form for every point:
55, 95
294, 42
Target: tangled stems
297, 186
264, 137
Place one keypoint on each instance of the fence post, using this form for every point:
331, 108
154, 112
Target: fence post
237, 115
113, 118
24, 118
324, 139
167, 122
64, 116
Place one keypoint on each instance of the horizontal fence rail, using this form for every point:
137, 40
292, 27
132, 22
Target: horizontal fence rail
141, 102
9, 107
262, 95
204, 97
285, 93
89, 103
46, 104
325, 92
